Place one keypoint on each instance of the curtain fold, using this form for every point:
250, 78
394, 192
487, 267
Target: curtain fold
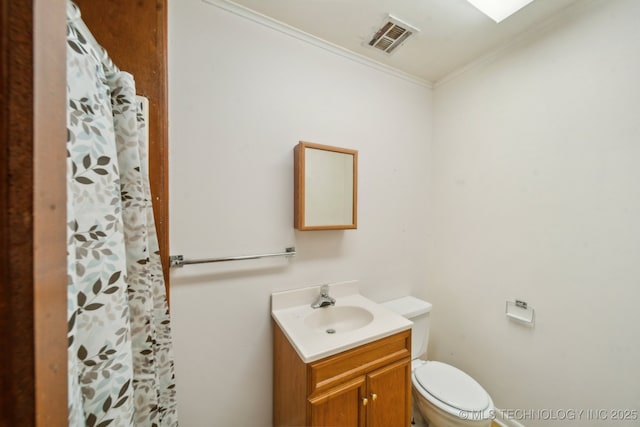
120, 355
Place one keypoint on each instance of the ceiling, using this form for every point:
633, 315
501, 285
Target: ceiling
452, 33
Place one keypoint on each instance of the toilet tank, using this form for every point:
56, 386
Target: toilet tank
418, 312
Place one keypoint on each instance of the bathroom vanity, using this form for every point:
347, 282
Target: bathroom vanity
348, 377
366, 386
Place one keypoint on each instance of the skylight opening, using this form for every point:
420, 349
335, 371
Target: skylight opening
499, 10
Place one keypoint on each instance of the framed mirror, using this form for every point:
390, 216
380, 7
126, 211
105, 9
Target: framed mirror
325, 187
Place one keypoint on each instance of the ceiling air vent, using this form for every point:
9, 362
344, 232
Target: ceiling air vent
392, 34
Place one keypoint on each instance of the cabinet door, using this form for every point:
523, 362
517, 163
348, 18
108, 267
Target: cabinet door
341, 406
389, 394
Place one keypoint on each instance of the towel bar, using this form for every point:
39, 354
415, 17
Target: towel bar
179, 261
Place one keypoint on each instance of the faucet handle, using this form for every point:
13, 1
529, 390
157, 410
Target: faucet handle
324, 290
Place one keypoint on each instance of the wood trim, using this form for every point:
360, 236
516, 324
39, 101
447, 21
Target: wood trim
33, 387
33, 378
18, 391
6, 399
50, 212
135, 35
299, 187
17, 379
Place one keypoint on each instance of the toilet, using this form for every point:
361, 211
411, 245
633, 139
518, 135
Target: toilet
444, 395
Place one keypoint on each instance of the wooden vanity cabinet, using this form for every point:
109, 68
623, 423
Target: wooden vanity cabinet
368, 386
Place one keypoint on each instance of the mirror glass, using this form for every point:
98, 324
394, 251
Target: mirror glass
325, 187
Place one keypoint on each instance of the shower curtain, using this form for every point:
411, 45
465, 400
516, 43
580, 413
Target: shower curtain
119, 340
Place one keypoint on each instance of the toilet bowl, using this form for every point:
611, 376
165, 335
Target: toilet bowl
448, 397
444, 395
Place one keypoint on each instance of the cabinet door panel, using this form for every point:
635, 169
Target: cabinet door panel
340, 406
389, 394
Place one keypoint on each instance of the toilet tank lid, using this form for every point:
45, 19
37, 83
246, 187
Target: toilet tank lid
408, 306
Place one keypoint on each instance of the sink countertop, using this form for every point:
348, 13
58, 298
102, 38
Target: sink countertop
290, 308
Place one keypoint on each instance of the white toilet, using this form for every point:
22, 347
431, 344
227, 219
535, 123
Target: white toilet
444, 395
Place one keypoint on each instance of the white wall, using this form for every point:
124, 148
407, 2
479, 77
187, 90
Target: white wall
536, 177
241, 97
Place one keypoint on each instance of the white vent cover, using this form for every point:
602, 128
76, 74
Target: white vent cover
392, 34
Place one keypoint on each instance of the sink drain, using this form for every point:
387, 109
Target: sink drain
331, 331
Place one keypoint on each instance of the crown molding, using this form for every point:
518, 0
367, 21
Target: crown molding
515, 43
288, 30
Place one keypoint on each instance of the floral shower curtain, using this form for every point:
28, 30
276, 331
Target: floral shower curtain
119, 339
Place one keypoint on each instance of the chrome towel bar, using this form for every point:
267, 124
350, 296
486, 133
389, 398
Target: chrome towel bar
179, 261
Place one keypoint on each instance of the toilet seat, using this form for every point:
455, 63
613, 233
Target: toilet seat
450, 389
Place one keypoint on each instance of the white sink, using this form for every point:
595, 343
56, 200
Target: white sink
320, 332
338, 319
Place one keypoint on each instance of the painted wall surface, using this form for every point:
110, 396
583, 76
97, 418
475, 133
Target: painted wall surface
241, 97
536, 196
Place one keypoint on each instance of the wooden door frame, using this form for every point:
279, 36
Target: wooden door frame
33, 360
33, 267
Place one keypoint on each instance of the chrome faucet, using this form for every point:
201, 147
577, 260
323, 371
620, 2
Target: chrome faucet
324, 299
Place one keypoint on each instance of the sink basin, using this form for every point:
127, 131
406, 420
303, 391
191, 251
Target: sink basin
338, 319
316, 333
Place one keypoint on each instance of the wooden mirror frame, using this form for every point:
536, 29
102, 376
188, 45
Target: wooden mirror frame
299, 202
